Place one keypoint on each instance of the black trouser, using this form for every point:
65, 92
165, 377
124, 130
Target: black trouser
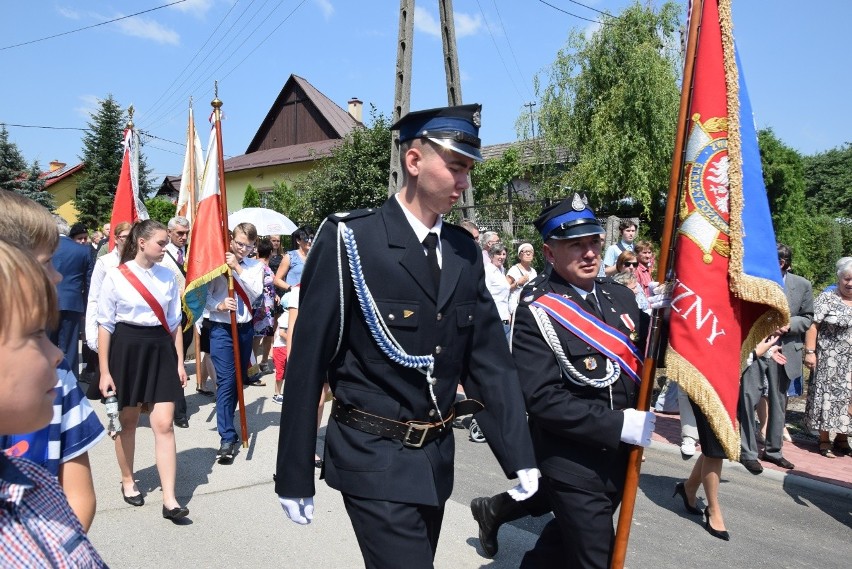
581, 535
393, 534
180, 402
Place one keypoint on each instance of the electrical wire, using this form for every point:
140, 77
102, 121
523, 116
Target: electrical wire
90, 27
500, 55
511, 49
571, 14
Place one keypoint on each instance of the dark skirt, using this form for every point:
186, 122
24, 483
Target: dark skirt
204, 336
143, 364
710, 445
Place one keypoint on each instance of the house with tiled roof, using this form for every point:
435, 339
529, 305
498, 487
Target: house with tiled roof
302, 125
61, 181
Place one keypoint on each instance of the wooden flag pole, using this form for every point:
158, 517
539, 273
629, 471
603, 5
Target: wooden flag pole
664, 270
226, 240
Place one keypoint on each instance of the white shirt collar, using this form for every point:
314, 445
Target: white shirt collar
584, 293
418, 226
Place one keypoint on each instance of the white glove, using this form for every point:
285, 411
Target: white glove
527, 484
637, 427
661, 295
300, 510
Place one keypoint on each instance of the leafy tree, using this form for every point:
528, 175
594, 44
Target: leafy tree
612, 99
285, 199
783, 175
828, 181
251, 197
160, 208
102, 154
492, 178
354, 176
32, 186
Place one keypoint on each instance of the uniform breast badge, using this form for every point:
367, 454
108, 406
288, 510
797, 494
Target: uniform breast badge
590, 363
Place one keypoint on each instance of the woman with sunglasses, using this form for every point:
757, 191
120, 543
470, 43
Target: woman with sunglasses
520, 274
289, 272
626, 266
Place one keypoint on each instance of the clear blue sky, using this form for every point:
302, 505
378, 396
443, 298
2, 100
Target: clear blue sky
794, 58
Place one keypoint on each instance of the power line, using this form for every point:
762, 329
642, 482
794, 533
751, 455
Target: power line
591, 8
44, 127
511, 49
500, 55
571, 14
92, 26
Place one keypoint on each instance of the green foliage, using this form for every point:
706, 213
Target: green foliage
102, 153
492, 178
354, 176
160, 208
251, 197
285, 199
12, 163
828, 181
612, 100
32, 186
15, 176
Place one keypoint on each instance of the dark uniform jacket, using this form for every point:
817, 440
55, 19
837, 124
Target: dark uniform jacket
575, 432
460, 327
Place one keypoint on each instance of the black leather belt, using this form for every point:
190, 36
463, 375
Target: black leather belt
413, 434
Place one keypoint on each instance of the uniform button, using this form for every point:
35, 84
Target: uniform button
431, 412
439, 316
437, 349
470, 317
391, 317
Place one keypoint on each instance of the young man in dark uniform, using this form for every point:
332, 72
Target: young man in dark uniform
413, 318
574, 344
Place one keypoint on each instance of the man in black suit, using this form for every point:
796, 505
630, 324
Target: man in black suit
573, 342
412, 320
74, 262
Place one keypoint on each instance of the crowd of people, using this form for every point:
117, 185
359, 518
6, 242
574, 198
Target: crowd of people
404, 311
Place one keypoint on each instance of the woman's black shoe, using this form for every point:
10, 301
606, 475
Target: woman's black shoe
680, 488
137, 500
714, 532
175, 513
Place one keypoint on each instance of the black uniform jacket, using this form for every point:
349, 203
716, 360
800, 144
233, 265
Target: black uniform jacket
460, 327
575, 432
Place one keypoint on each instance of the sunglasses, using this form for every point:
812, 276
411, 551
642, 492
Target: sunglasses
631, 264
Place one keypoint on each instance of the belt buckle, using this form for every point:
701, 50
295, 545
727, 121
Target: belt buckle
424, 429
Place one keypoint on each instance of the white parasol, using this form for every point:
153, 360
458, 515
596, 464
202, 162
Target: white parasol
267, 221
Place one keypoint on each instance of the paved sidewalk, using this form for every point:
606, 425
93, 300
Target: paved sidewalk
802, 452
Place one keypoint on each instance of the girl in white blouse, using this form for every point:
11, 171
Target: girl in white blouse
141, 355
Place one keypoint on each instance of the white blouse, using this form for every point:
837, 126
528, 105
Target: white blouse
120, 301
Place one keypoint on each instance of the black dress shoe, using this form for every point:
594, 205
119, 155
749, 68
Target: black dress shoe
137, 500
182, 423
226, 453
680, 489
782, 462
488, 529
723, 535
752, 465
203, 391
175, 513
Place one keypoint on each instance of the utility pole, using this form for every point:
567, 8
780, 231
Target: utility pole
530, 105
402, 85
402, 88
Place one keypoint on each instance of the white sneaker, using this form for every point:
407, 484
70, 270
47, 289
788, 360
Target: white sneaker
278, 399
687, 446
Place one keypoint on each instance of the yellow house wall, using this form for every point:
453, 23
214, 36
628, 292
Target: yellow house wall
64, 192
261, 179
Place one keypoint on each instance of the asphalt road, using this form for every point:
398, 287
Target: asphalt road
235, 520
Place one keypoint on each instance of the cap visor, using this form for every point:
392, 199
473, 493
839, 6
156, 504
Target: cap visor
460, 147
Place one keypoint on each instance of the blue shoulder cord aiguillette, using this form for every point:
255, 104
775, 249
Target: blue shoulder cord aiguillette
379, 330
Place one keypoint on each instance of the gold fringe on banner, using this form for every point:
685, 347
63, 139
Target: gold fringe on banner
704, 395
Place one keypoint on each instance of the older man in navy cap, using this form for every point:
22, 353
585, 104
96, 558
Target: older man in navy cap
399, 315
573, 342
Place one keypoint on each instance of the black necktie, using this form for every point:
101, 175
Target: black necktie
592, 301
431, 244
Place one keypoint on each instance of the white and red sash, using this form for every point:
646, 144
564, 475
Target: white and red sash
146, 294
594, 332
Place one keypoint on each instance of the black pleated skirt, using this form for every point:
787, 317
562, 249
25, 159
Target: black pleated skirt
143, 363
710, 445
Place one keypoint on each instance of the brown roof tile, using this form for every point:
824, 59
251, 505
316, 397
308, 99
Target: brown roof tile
285, 155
